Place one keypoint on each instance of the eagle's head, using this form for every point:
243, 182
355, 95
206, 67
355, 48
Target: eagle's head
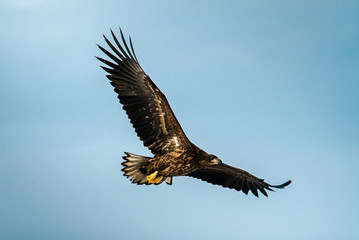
214, 160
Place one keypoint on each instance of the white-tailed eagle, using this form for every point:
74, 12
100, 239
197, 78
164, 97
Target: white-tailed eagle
160, 131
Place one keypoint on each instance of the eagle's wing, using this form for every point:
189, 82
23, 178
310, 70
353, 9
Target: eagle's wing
231, 177
144, 103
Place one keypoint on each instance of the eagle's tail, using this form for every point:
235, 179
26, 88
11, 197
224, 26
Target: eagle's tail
132, 169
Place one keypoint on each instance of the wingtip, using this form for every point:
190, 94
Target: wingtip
287, 183
282, 185
122, 36
104, 36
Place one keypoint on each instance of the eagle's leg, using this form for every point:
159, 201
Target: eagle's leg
152, 178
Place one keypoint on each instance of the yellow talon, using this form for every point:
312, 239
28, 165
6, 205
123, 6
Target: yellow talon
152, 178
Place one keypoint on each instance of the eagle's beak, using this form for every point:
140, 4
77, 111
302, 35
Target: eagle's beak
216, 161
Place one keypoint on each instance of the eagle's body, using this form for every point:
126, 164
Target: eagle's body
158, 128
175, 164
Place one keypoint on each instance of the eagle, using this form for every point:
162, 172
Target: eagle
157, 126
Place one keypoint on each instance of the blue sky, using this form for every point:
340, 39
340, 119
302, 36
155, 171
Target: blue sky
268, 86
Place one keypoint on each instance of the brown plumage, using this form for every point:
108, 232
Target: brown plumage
160, 131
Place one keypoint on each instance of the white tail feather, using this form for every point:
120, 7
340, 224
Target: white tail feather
132, 169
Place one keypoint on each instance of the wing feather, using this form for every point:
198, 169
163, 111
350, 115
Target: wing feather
146, 106
231, 177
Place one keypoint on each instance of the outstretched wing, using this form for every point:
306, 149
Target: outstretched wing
144, 103
231, 177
